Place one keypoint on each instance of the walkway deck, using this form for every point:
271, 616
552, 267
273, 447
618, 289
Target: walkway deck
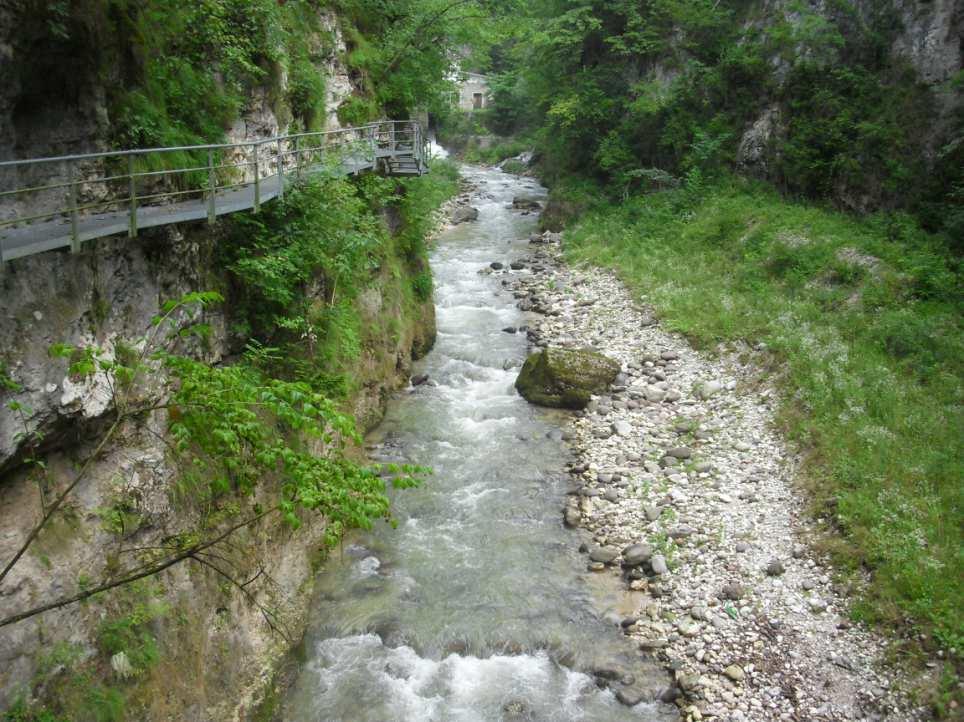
69, 229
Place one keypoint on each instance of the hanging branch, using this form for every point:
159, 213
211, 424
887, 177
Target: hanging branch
270, 617
146, 571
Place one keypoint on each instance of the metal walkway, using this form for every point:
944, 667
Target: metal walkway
83, 197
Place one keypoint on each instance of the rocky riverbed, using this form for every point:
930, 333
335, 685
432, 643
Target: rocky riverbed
683, 488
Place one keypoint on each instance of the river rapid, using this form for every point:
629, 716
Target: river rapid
478, 606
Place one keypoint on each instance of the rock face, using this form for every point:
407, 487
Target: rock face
107, 294
565, 378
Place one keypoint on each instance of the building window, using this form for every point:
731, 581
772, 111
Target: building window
477, 100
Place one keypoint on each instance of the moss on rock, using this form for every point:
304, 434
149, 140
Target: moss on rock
565, 378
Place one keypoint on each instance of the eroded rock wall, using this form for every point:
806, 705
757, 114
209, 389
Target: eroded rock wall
216, 649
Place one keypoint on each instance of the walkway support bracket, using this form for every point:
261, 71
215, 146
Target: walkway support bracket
131, 197
212, 188
72, 203
257, 180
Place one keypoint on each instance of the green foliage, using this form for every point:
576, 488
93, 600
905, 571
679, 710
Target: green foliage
401, 51
129, 633
497, 152
866, 315
579, 77
21, 712
321, 236
243, 429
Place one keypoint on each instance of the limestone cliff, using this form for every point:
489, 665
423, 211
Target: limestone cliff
213, 650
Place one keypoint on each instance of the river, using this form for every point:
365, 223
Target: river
478, 606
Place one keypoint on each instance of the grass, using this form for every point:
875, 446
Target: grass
863, 317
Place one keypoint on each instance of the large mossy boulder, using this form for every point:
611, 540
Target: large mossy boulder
565, 378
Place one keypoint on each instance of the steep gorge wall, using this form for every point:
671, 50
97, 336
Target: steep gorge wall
929, 38
214, 649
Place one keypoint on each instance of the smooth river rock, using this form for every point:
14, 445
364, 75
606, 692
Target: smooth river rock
565, 378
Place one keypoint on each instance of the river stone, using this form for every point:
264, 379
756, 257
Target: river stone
636, 554
463, 214
622, 428
631, 696
680, 452
658, 563
775, 568
735, 673
710, 388
528, 203
565, 378
603, 554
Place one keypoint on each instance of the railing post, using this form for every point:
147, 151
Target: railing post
72, 204
281, 170
257, 179
298, 157
132, 197
212, 188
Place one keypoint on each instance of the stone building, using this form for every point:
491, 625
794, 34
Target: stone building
473, 92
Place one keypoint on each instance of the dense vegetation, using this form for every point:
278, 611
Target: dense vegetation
265, 442
267, 435
636, 111
180, 73
616, 90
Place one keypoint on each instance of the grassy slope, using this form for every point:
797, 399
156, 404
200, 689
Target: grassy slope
873, 358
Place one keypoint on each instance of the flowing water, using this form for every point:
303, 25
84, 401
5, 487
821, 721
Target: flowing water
477, 606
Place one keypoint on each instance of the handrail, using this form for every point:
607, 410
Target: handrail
136, 185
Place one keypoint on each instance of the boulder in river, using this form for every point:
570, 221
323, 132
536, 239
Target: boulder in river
462, 214
565, 378
528, 203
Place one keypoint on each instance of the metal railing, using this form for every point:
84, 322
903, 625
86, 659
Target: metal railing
60, 202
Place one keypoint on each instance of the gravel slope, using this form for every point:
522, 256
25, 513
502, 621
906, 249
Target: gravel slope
683, 461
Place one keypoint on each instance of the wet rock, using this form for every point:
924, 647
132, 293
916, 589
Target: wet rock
419, 379
496, 266
517, 265
526, 203
658, 564
606, 555
630, 696
565, 378
572, 517
636, 554
516, 711
510, 329
463, 214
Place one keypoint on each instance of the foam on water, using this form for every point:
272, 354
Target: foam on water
442, 616
456, 688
